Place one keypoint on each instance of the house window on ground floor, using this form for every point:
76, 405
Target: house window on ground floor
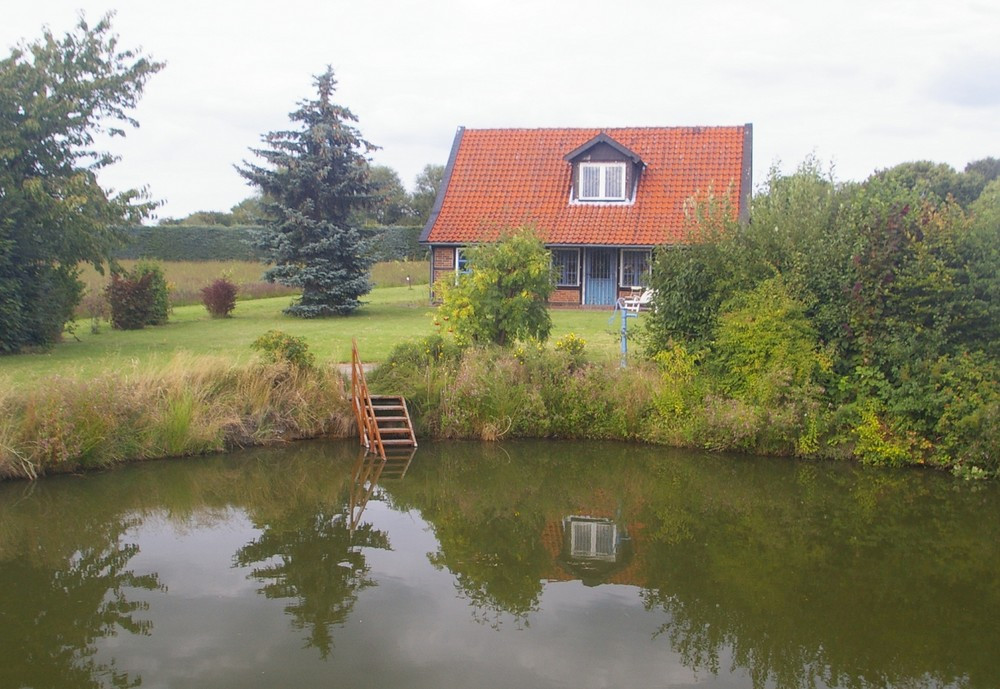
635, 267
566, 264
461, 263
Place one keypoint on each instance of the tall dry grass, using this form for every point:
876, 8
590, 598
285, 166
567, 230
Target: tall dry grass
185, 280
525, 392
195, 405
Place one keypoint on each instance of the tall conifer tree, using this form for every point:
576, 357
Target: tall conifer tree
314, 178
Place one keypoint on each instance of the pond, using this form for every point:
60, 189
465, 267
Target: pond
527, 564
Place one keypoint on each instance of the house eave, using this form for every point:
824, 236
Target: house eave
603, 138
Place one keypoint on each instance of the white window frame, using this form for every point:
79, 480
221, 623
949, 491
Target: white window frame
646, 273
578, 266
603, 182
586, 534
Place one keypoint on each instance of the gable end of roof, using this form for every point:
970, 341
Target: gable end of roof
746, 176
445, 179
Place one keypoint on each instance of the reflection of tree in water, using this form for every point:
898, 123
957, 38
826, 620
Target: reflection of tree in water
52, 616
819, 579
310, 555
497, 561
799, 575
488, 526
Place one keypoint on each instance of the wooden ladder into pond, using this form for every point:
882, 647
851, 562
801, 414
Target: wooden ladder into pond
384, 425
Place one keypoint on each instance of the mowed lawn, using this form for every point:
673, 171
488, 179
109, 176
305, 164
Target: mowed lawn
391, 316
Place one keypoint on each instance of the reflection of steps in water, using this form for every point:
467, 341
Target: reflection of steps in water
397, 462
369, 469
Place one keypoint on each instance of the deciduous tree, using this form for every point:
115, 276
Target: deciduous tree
503, 298
425, 192
57, 96
391, 205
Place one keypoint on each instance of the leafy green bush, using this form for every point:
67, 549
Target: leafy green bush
276, 346
503, 299
764, 345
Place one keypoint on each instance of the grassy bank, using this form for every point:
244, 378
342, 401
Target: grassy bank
194, 385
195, 404
192, 405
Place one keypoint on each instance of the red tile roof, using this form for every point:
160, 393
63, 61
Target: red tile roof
501, 179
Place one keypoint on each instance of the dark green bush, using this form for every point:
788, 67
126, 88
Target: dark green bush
235, 243
159, 294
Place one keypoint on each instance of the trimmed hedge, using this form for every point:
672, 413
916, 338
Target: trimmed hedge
191, 243
220, 243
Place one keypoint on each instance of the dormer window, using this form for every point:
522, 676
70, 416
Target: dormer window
602, 182
603, 171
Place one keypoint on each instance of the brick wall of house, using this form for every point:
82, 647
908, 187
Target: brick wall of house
625, 292
565, 295
443, 261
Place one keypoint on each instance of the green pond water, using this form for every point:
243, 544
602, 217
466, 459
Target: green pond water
525, 564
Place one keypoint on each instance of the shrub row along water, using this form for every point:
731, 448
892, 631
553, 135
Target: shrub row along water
551, 392
201, 405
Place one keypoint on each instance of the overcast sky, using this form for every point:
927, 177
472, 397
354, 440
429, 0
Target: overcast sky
863, 84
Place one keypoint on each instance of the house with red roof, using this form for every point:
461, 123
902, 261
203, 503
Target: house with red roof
601, 199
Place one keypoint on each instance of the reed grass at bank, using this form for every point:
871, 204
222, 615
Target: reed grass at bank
194, 405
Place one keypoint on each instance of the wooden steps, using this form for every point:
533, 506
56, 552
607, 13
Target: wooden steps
383, 420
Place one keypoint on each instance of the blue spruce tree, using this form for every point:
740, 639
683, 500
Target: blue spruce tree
314, 177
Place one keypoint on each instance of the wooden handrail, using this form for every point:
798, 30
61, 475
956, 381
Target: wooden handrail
363, 410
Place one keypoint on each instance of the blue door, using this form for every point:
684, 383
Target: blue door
600, 278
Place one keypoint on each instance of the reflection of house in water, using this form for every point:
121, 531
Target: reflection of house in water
368, 471
594, 549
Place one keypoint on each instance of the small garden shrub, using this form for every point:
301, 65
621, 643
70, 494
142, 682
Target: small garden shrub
219, 298
138, 298
159, 291
129, 298
275, 346
574, 346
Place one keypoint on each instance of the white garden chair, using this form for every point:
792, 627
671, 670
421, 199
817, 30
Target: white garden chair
636, 302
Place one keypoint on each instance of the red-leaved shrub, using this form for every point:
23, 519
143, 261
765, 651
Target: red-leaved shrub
219, 298
131, 299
